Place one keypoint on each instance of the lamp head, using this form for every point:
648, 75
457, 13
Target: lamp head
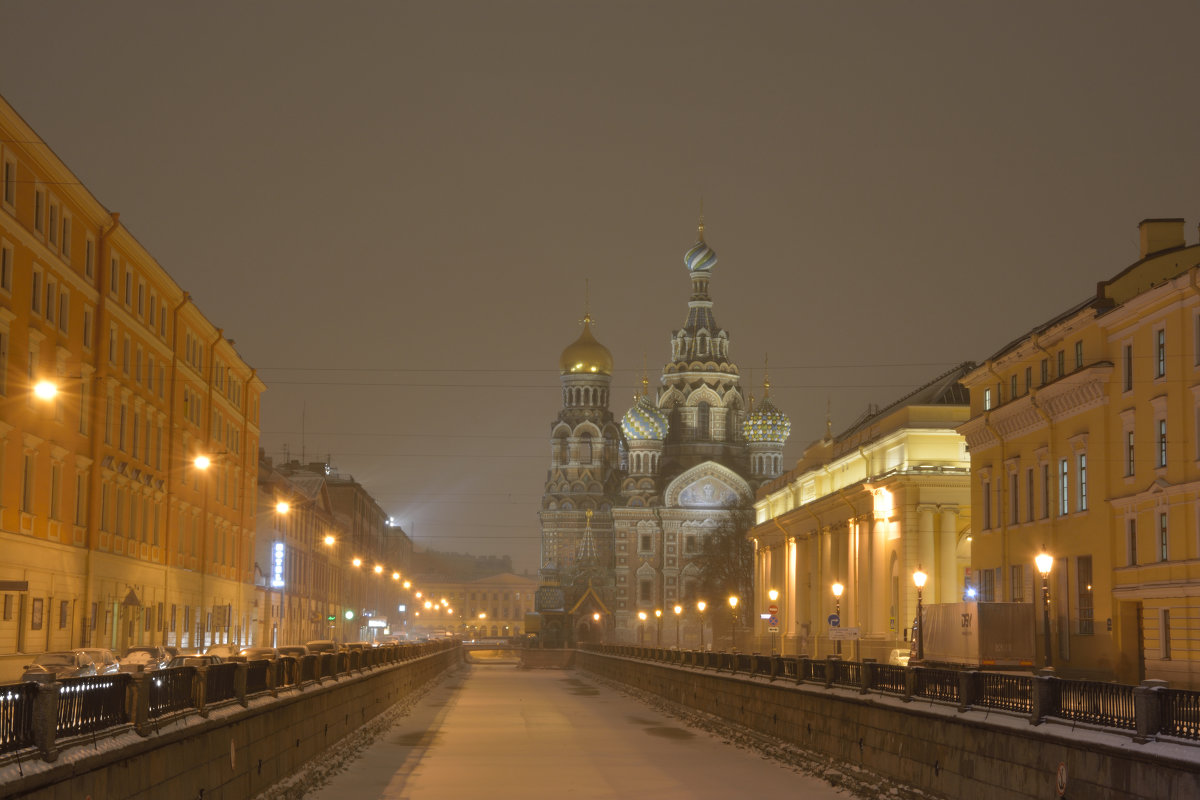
678, 610
45, 390
202, 462
701, 606
838, 589
1045, 562
919, 578
283, 507
773, 594
658, 612
642, 616
733, 601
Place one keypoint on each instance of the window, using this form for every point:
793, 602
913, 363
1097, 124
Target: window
36, 298
1082, 466
1062, 363
1063, 495
80, 499
1165, 633
1160, 353
702, 422
689, 544
51, 299
89, 258
1162, 443
27, 484
1079, 355
1162, 536
1045, 371
8, 607
64, 309
10, 187
1128, 353
1016, 583
39, 212
55, 491
53, 223
1028, 379
1083, 570
128, 288
1014, 512
987, 585
64, 613
1012, 387
1045, 491
1029, 494
987, 399
1131, 541
6, 268
66, 236
113, 272
645, 591
87, 328
987, 505
1128, 452
644, 543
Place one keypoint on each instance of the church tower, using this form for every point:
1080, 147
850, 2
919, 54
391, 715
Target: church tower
584, 462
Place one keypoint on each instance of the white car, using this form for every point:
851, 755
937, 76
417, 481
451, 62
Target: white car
105, 660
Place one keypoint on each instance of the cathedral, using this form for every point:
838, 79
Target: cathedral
628, 502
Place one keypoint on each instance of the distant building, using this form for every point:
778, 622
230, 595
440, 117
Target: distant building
1084, 441
112, 534
494, 606
864, 510
628, 504
372, 589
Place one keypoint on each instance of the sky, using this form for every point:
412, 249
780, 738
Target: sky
401, 211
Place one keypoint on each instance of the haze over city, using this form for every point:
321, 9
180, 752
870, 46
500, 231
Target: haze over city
395, 209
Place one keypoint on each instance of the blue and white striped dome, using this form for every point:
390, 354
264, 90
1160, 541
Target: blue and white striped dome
701, 258
644, 422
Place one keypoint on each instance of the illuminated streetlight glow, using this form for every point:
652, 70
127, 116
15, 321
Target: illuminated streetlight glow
919, 578
283, 507
1045, 563
837, 608
202, 462
45, 390
378, 569
329, 540
395, 576
408, 585
357, 561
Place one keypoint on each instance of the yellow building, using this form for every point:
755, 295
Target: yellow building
1084, 442
111, 534
862, 511
485, 607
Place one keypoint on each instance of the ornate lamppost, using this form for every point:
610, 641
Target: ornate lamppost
658, 616
1045, 562
700, 606
678, 610
837, 609
919, 578
733, 601
641, 627
772, 595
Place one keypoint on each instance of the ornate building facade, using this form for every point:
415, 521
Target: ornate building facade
628, 505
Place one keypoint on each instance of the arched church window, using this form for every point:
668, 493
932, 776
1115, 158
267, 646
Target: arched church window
585, 449
702, 422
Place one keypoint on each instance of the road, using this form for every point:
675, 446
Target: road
496, 732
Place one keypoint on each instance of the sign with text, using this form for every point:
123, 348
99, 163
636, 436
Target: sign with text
843, 633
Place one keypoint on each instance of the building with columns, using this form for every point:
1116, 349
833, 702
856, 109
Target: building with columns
864, 510
1085, 444
627, 505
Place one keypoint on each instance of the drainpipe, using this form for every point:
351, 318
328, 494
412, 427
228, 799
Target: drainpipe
1001, 488
171, 439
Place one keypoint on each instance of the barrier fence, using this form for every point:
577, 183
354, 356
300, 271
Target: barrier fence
1147, 711
104, 702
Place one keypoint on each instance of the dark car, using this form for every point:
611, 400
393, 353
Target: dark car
145, 658
195, 661
322, 646
106, 662
293, 650
49, 667
256, 654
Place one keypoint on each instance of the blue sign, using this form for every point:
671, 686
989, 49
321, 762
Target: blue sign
772, 621
834, 620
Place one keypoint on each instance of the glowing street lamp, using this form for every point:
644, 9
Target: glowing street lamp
356, 561
678, 610
700, 606
733, 601
772, 595
45, 390
919, 578
837, 609
1045, 562
329, 540
641, 626
283, 507
658, 616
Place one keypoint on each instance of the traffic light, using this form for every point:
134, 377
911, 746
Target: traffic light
330, 618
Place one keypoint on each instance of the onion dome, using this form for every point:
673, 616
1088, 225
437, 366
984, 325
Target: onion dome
586, 355
644, 422
701, 258
767, 424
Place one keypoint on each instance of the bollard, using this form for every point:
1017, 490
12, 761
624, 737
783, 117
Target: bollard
1147, 710
139, 711
867, 677
910, 684
1041, 706
968, 688
45, 719
200, 689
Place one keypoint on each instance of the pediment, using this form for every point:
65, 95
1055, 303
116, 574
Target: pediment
708, 485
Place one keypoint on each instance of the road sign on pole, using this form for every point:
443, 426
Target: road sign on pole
773, 609
834, 620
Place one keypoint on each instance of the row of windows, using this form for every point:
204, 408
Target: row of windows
1020, 578
143, 303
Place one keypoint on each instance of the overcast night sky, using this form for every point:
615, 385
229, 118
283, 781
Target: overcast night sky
393, 207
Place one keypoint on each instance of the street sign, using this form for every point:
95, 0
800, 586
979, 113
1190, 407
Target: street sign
834, 620
773, 629
774, 609
772, 621
843, 633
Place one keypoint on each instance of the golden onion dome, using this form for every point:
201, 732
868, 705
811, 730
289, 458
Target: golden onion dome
586, 355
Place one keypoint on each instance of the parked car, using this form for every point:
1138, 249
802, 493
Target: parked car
356, 645
48, 667
206, 660
293, 650
145, 658
225, 651
105, 660
322, 646
257, 654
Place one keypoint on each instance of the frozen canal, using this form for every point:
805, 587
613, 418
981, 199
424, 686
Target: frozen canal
497, 732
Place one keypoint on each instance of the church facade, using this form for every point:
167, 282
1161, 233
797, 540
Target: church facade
628, 503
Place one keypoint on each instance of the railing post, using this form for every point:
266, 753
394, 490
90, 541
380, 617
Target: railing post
774, 667
1147, 710
802, 668
1042, 699
829, 662
45, 719
239, 683
200, 689
968, 688
866, 676
139, 705
910, 684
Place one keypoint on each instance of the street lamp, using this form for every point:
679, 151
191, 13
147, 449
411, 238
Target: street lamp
919, 578
772, 595
678, 610
641, 626
837, 609
1045, 562
658, 616
700, 606
733, 601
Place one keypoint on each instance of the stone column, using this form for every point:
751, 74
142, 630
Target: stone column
926, 554
950, 586
45, 719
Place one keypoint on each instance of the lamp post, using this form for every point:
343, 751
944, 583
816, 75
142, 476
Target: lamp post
837, 609
658, 618
596, 619
641, 627
772, 595
919, 578
1045, 562
733, 601
700, 606
678, 610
